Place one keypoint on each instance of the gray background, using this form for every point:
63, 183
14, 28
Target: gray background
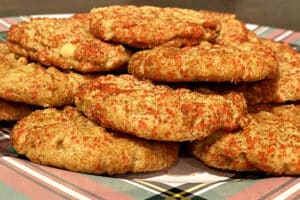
277, 13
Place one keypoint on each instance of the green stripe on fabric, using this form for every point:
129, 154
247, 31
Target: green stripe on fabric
2, 137
7, 192
12, 151
297, 41
2, 36
122, 186
38, 168
19, 19
228, 189
266, 32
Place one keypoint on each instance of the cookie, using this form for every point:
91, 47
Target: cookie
148, 26
233, 31
67, 139
34, 84
10, 111
205, 62
157, 112
223, 151
269, 141
273, 141
285, 86
65, 43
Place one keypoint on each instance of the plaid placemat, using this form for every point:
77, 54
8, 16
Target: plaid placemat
188, 179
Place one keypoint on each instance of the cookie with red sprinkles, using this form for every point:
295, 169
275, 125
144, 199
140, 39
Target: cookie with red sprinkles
285, 86
148, 26
273, 140
233, 31
205, 62
157, 112
66, 44
67, 139
10, 111
223, 151
32, 83
269, 141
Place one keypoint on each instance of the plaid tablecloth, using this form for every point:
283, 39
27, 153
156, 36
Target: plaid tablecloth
188, 179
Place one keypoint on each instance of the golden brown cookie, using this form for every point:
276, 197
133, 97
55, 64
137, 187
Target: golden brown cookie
149, 26
10, 111
65, 43
156, 112
269, 141
67, 139
274, 141
32, 83
206, 62
233, 31
285, 86
223, 151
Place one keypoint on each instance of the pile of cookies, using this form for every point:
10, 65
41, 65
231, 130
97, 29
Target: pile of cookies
119, 89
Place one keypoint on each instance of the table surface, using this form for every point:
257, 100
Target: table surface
275, 13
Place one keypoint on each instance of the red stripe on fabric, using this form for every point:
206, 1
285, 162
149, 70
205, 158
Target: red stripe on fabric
31, 165
259, 189
3, 28
292, 37
4, 140
4, 146
86, 183
25, 185
274, 34
51, 187
74, 181
10, 20
285, 189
